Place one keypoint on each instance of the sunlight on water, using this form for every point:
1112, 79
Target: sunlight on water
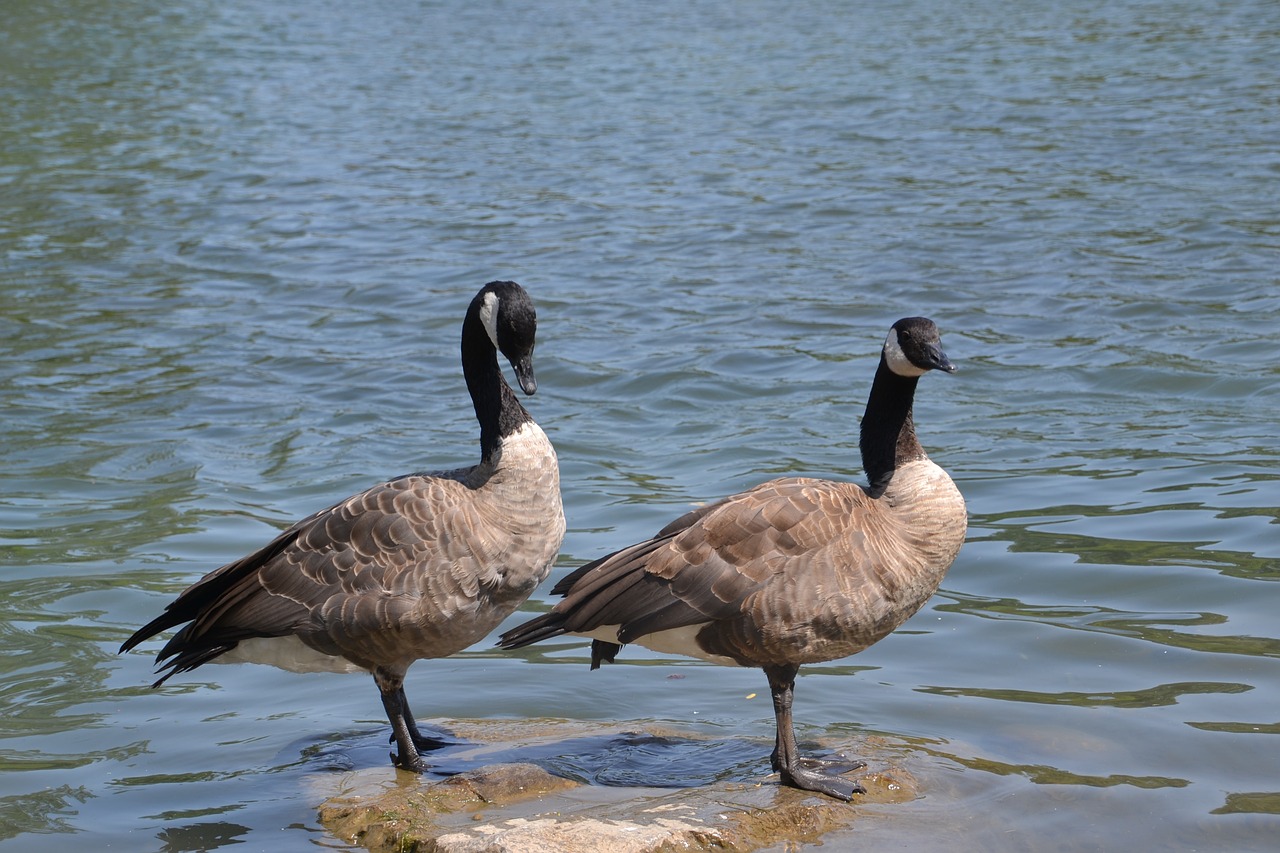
237, 243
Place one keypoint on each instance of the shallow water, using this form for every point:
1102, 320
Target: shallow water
237, 240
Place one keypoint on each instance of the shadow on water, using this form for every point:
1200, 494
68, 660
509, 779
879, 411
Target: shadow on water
636, 759
613, 759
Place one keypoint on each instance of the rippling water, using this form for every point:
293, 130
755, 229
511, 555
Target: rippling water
237, 240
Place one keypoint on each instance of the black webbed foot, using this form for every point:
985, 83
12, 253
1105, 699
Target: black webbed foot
832, 766
414, 764
822, 783
822, 775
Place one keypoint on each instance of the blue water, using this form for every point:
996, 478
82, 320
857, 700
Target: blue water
237, 240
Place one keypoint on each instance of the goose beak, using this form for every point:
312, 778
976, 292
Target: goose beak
524, 374
938, 360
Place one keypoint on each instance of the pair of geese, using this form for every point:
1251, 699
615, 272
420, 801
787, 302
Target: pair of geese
793, 571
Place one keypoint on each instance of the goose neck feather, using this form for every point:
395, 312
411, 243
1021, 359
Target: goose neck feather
517, 490
928, 512
497, 408
888, 432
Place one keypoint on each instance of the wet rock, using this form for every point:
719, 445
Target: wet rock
410, 816
521, 807
583, 835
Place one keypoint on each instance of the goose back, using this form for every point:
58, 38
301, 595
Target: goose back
794, 570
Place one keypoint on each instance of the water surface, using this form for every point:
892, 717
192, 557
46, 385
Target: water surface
237, 241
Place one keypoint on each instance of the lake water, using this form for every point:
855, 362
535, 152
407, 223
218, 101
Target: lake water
237, 240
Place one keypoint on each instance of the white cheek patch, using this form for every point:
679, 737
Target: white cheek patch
897, 359
489, 316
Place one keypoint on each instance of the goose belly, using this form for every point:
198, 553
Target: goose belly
673, 641
287, 653
349, 648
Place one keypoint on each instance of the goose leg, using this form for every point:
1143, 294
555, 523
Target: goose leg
806, 774
394, 702
828, 766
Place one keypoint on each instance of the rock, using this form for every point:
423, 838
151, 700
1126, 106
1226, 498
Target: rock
586, 835
519, 807
408, 817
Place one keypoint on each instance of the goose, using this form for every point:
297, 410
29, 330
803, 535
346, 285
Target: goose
420, 566
794, 571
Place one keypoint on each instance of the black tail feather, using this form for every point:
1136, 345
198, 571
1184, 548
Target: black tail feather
163, 622
187, 661
542, 627
602, 650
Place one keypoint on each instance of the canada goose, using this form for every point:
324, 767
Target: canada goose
793, 571
421, 566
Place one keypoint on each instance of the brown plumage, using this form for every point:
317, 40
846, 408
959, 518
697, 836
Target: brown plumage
793, 571
421, 566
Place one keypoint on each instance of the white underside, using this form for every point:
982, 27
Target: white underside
288, 653
674, 641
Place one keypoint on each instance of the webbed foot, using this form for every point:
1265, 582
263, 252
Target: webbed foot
414, 763
832, 766
822, 783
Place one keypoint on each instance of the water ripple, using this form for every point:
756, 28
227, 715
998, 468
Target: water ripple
237, 239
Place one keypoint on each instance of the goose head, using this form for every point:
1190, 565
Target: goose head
914, 347
506, 312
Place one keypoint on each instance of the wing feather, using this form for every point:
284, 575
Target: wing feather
716, 566
347, 571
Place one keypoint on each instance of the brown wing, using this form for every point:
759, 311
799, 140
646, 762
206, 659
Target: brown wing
712, 565
341, 574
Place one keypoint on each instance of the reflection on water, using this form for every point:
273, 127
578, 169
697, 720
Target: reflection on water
199, 836
1152, 627
43, 812
236, 243
1250, 804
1164, 694
1240, 728
1034, 531
1042, 775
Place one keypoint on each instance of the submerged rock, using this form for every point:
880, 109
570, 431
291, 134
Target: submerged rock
518, 806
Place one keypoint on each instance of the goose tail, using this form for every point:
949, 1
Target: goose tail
550, 625
543, 627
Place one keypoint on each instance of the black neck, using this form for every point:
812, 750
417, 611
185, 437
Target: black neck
888, 437
497, 409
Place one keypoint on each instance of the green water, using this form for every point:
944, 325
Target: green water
236, 243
